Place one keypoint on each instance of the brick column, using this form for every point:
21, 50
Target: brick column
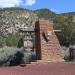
49, 50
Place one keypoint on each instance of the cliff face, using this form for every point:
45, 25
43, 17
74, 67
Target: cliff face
12, 19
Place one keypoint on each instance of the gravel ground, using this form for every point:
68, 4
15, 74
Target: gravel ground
40, 69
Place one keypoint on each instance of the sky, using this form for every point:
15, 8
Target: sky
58, 6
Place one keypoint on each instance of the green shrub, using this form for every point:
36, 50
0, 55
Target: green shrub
27, 57
2, 41
12, 40
7, 54
20, 43
10, 56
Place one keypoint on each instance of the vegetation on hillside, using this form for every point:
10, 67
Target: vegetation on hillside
45, 13
67, 26
13, 18
64, 22
11, 21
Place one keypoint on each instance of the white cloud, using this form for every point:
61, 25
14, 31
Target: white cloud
14, 3
30, 2
54, 10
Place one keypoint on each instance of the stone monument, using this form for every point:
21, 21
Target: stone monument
48, 48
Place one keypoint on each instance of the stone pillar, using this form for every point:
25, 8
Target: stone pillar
48, 49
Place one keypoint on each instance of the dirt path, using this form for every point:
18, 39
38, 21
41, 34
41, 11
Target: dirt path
40, 69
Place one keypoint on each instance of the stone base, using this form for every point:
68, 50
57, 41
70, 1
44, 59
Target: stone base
46, 62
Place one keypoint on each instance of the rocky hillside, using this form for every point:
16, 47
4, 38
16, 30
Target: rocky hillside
45, 13
11, 19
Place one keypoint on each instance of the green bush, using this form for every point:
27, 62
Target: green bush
29, 57
12, 40
7, 54
2, 41
10, 56
20, 43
